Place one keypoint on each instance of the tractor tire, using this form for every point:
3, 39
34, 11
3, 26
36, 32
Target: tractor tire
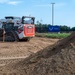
15, 36
11, 37
1, 34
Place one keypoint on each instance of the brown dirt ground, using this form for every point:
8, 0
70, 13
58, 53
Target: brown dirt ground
58, 59
16, 51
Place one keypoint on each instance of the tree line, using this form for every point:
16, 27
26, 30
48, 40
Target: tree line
44, 28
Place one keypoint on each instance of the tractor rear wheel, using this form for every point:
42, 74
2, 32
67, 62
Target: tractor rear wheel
11, 37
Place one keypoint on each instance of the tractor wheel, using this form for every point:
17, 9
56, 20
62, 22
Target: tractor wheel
15, 36
11, 37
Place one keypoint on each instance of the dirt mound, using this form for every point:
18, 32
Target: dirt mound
58, 59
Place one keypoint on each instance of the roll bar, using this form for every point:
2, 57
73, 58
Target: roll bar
33, 18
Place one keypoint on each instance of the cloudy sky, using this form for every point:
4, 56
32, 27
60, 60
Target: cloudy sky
41, 10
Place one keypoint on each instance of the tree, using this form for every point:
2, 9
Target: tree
73, 29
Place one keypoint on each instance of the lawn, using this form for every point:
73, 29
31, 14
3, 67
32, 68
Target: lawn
53, 35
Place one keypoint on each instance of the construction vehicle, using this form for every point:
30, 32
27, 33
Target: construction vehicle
16, 28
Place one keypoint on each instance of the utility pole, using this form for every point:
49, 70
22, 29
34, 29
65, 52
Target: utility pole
52, 13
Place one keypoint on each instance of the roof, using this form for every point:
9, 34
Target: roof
12, 17
28, 17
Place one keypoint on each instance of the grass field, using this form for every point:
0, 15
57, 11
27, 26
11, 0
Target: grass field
52, 35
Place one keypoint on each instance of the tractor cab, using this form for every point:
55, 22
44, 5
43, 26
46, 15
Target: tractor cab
29, 27
8, 27
16, 20
28, 20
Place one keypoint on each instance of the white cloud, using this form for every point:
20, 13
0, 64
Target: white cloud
11, 2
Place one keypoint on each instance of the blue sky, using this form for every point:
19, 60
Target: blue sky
41, 10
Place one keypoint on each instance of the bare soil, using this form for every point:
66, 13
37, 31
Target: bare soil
16, 51
58, 59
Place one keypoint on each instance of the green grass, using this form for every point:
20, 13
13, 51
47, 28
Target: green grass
53, 35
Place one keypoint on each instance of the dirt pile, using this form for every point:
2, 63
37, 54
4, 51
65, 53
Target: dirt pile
58, 59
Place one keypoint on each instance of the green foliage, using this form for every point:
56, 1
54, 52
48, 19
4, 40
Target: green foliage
53, 35
73, 29
65, 28
43, 28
